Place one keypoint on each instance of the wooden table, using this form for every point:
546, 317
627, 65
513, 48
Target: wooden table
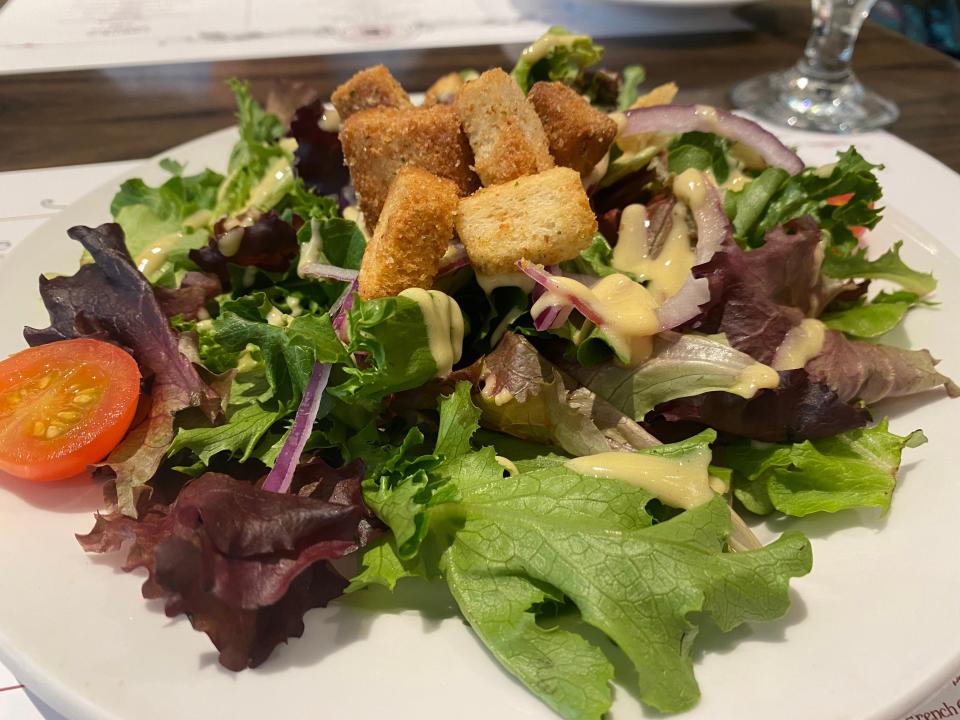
86, 116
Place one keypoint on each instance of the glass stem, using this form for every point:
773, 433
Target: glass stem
836, 24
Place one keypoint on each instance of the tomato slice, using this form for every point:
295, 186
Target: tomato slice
64, 406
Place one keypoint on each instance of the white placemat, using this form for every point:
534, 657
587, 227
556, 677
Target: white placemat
40, 35
30, 197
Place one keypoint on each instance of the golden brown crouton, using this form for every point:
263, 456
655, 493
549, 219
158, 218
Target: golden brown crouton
372, 87
579, 135
503, 128
377, 142
545, 218
414, 229
444, 90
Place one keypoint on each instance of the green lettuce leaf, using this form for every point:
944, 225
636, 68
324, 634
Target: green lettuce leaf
631, 78
512, 547
888, 266
557, 55
700, 150
874, 318
259, 172
173, 215
774, 198
393, 333
289, 351
854, 469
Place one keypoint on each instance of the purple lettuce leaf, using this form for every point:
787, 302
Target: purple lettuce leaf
318, 159
799, 409
757, 297
191, 297
269, 244
287, 96
869, 372
111, 300
525, 396
243, 564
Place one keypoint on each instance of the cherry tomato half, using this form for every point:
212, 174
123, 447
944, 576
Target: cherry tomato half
64, 406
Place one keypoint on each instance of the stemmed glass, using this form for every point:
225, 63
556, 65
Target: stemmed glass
821, 91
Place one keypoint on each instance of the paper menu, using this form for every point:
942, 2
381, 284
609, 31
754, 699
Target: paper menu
38, 35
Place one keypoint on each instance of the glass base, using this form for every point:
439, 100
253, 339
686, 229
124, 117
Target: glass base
793, 98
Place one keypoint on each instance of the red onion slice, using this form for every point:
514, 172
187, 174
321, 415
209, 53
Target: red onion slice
280, 477
321, 271
684, 305
454, 259
549, 283
686, 118
340, 308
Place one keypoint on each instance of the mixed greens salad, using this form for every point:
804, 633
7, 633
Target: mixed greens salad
573, 442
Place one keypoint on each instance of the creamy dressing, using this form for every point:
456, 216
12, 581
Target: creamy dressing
543, 45
627, 308
352, 212
293, 302
690, 186
330, 122
825, 171
669, 269
708, 113
310, 252
678, 482
229, 242
275, 182
753, 378
276, 318
444, 323
489, 283
152, 258
801, 344
507, 464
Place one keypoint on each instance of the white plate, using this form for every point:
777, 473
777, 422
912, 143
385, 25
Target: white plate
869, 635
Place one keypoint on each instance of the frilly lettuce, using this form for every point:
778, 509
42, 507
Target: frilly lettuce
510, 546
854, 469
176, 213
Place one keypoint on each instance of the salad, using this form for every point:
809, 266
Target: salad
547, 336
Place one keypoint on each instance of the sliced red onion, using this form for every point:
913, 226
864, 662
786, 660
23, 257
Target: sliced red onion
686, 118
320, 271
281, 475
454, 259
550, 284
340, 308
713, 226
553, 317
684, 304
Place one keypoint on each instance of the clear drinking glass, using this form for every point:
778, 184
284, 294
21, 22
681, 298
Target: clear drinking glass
821, 91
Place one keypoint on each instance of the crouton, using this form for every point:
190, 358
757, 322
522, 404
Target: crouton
578, 134
503, 129
444, 90
415, 227
545, 218
372, 87
377, 142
